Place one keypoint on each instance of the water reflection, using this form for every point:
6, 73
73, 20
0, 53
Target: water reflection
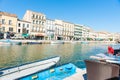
75, 53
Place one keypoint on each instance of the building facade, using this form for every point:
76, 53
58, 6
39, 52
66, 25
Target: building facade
58, 29
50, 29
38, 21
68, 30
77, 32
8, 23
23, 27
85, 33
64, 30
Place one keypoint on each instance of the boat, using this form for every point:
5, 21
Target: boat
9, 42
4, 43
64, 72
84, 42
57, 42
14, 73
34, 42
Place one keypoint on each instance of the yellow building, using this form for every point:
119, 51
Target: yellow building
68, 30
8, 22
38, 21
64, 30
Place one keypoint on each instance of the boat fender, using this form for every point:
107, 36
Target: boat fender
34, 77
52, 70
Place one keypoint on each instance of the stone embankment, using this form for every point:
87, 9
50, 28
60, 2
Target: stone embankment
65, 42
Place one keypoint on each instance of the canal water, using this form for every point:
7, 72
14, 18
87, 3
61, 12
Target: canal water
75, 53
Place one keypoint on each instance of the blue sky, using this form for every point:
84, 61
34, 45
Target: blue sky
100, 15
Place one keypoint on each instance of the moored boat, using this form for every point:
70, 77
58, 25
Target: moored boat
27, 69
4, 43
9, 42
65, 72
57, 42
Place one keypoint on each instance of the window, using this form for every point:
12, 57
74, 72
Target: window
33, 28
10, 22
33, 16
10, 29
42, 23
19, 24
18, 30
36, 22
27, 25
33, 21
23, 25
2, 29
36, 16
27, 31
24, 30
39, 17
38, 29
42, 17
39, 22
3, 21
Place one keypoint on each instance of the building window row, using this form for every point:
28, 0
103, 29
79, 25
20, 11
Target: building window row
37, 29
3, 22
23, 30
23, 25
38, 17
11, 29
38, 22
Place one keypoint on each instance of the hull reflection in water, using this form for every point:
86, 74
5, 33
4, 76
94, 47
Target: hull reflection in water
27, 69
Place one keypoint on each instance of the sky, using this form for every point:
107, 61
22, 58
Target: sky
100, 15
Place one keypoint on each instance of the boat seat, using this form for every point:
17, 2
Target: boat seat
97, 70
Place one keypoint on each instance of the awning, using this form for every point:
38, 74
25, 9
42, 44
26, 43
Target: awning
40, 34
25, 35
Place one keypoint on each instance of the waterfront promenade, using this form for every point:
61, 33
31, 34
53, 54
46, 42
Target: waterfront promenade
50, 41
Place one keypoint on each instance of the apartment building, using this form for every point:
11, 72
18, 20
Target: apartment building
38, 21
58, 29
64, 30
50, 29
23, 27
117, 37
102, 35
8, 23
78, 32
85, 33
68, 30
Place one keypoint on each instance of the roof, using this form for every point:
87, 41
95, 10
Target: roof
7, 14
24, 21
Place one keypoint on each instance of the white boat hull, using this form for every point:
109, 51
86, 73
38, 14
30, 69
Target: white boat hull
57, 42
21, 71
